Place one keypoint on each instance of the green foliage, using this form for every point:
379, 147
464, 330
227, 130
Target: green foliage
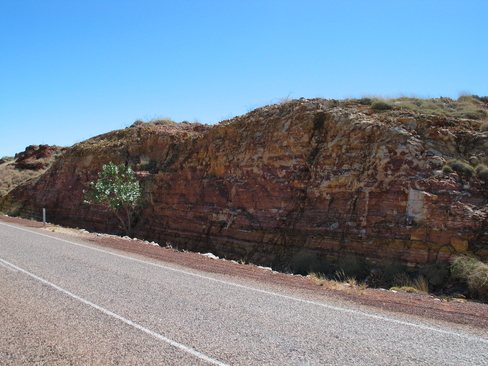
161, 121
482, 171
118, 189
156, 121
447, 169
464, 168
466, 106
365, 101
474, 114
475, 273
484, 127
430, 106
381, 105
468, 99
137, 123
461, 167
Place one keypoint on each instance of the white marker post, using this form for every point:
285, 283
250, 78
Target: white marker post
44, 216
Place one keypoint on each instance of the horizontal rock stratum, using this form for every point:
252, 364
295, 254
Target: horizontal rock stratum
326, 177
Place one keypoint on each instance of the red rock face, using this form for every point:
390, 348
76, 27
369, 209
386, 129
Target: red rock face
35, 157
314, 176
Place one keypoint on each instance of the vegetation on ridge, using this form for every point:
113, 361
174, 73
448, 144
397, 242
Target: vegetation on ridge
466, 106
154, 122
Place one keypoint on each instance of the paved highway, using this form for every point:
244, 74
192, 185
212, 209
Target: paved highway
64, 301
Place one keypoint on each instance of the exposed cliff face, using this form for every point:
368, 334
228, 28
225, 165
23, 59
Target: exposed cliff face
317, 175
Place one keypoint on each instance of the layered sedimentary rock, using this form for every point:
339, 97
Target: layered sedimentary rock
308, 176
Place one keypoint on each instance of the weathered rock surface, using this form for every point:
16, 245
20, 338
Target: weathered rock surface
35, 157
319, 176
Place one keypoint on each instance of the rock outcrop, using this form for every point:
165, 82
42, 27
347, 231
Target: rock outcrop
326, 177
35, 157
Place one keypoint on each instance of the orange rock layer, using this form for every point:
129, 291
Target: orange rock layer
318, 176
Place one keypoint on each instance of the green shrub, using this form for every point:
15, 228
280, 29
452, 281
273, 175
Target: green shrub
447, 169
156, 121
466, 106
118, 189
461, 167
381, 105
475, 273
137, 123
162, 121
484, 127
482, 171
471, 99
365, 101
431, 106
474, 114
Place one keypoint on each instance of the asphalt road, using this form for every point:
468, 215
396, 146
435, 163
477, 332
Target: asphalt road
64, 301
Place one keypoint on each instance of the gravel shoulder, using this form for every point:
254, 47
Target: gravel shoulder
458, 311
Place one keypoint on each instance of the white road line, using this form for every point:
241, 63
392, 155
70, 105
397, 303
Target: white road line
173, 343
332, 307
8, 267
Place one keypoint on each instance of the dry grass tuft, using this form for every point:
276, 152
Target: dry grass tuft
475, 273
404, 283
340, 282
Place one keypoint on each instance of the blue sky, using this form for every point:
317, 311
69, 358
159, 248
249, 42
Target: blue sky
70, 70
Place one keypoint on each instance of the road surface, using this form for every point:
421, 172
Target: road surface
66, 301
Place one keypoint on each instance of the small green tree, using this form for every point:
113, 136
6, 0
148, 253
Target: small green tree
118, 189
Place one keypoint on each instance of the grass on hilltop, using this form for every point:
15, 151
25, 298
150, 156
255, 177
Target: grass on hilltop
466, 106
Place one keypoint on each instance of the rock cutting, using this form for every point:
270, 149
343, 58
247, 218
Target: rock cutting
325, 178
